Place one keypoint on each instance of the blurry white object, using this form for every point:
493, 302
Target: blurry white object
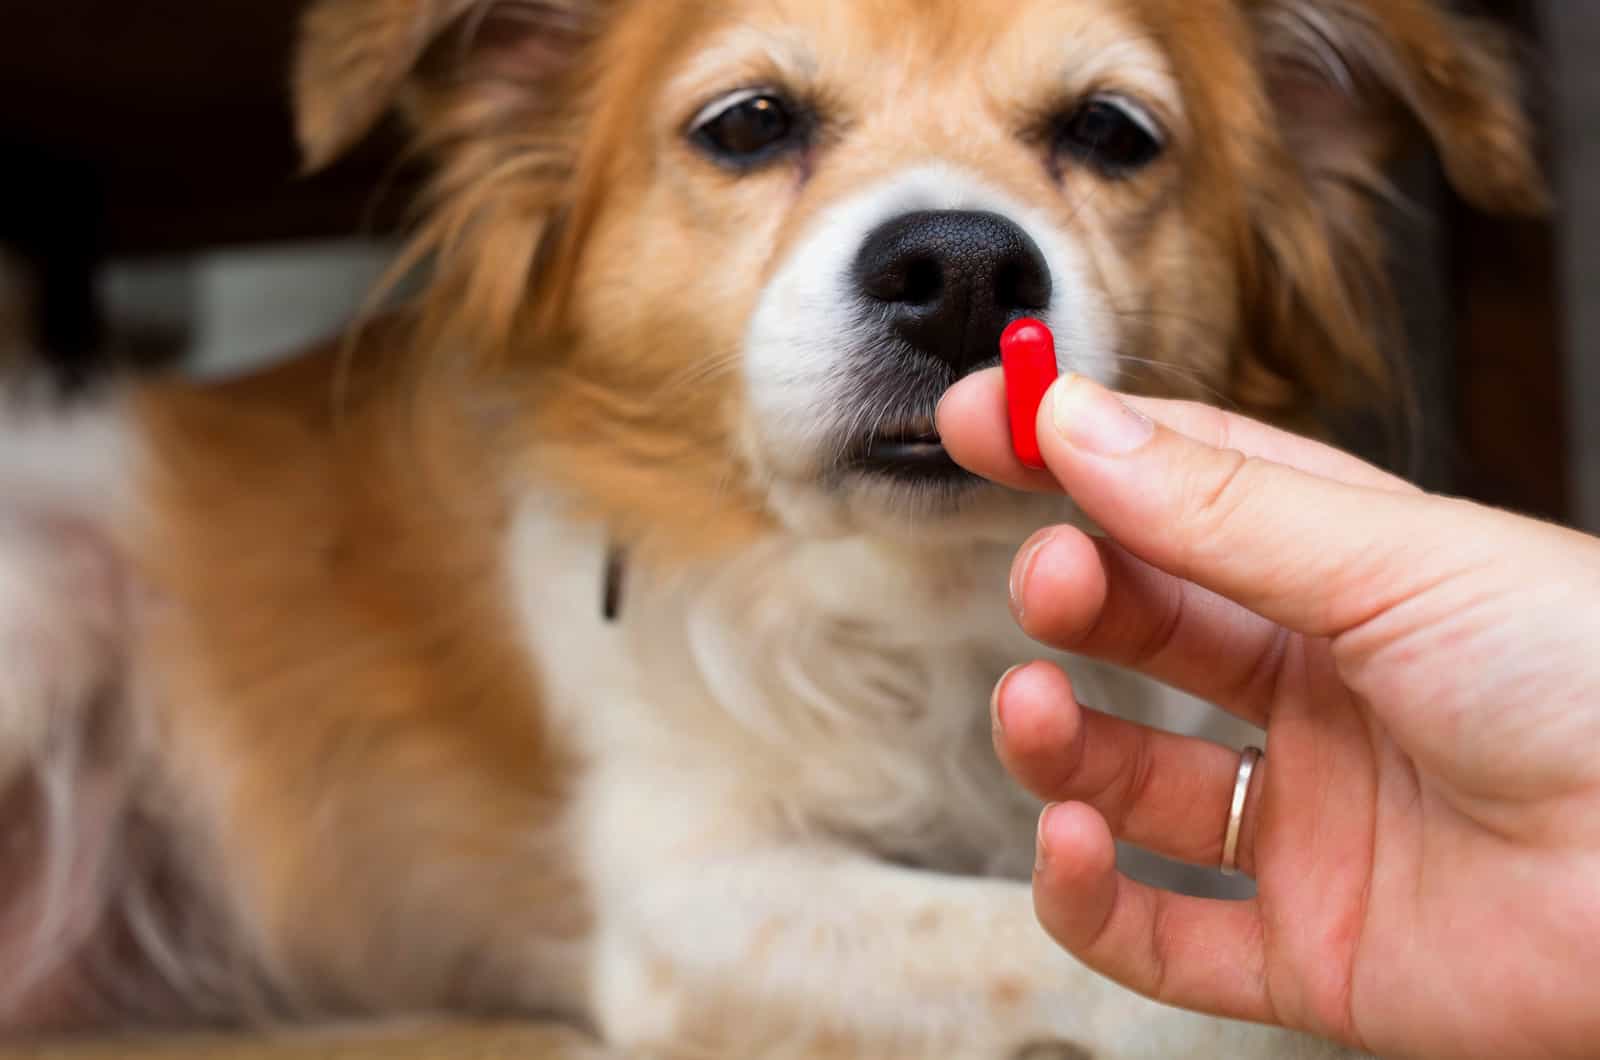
244, 308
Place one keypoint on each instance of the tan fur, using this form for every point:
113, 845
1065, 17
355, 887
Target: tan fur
329, 604
361, 744
1293, 329
343, 564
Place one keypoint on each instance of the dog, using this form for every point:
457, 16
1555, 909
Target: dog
606, 635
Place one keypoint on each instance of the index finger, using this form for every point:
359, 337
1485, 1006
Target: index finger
1318, 556
974, 428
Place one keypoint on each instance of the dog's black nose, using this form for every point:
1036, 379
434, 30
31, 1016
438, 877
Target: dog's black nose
952, 280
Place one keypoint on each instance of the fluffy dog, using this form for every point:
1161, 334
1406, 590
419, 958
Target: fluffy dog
607, 635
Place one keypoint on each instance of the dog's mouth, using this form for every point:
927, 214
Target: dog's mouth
911, 451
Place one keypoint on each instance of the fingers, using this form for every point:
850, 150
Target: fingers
1092, 597
975, 427
1190, 952
1212, 426
973, 424
1155, 789
1316, 555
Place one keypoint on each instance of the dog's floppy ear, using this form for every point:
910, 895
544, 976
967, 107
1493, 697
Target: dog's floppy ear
352, 59
1351, 78
1349, 84
356, 56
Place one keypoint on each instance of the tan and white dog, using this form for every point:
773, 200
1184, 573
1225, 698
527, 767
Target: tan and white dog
310, 706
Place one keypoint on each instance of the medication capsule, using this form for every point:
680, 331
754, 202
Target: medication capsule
1028, 355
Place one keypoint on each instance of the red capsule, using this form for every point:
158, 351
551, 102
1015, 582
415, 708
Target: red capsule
1028, 353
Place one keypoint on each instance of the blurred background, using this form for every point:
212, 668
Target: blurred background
149, 191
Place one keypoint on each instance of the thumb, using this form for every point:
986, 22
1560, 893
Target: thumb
1312, 554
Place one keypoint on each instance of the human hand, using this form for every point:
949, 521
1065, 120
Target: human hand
1425, 829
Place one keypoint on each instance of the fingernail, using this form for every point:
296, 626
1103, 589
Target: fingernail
997, 713
1021, 569
1041, 855
1091, 418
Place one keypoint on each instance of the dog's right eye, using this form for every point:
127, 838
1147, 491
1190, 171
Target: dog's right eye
1111, 135
745, 129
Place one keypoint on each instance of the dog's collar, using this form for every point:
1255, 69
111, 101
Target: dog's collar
611, 584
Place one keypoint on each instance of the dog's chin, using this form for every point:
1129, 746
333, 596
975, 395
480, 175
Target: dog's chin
896, 482
917, 495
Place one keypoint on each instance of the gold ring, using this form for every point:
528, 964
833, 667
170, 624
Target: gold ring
1241, 791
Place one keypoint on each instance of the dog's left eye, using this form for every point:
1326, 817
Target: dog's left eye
746, 128
1110, 136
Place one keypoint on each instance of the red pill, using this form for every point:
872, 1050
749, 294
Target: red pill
1028, 354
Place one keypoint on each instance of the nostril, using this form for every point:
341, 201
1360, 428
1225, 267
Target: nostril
924, 282
948, 282
1020, 285
916, 280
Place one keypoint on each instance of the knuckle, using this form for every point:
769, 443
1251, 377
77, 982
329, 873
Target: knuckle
1158, 968
1212, 498
1206, 424
1160, 639
1212, 426
1137, 785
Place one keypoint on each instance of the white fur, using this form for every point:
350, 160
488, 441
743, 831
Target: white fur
60, 477
808, 342
60, 631
63, 644
76, 727
71, 462
791, 819
790, 809
807, 335
768, 743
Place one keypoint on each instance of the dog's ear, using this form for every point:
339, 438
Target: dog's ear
1353, 80
356, 56
1349, 84
352, 59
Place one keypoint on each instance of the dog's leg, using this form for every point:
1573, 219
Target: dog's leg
807, 952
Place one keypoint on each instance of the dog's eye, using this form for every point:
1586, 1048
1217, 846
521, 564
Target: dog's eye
746, 128
1110, 136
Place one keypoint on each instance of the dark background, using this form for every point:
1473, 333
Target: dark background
131, 128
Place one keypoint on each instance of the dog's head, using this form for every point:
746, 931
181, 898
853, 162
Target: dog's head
733, 251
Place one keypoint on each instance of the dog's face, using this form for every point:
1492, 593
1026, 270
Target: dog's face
847, 203
742, 247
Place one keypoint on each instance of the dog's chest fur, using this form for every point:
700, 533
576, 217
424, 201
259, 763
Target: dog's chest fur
821, 689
